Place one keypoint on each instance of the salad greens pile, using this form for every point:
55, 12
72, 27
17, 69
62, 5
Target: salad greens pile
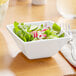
34, 32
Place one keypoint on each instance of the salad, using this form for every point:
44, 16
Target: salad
34, 32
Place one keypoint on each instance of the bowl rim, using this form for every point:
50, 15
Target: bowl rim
10, 25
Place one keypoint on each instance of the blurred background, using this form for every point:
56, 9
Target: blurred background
60, 11
52, 10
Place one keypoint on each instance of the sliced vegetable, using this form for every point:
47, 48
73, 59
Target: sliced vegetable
33, 32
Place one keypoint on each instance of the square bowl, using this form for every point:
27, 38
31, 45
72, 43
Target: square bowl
41, 48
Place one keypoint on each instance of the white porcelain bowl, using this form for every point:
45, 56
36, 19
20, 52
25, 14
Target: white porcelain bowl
40, 48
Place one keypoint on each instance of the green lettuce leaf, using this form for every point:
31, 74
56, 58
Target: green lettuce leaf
55, 27
62, 35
